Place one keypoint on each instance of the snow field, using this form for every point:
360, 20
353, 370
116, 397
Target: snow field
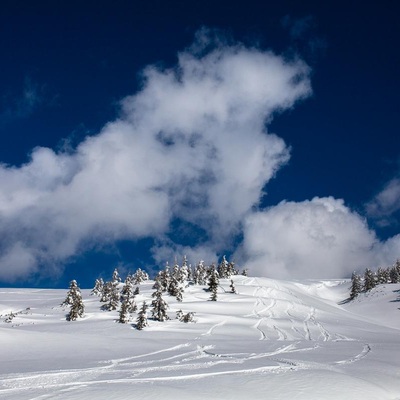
272, 340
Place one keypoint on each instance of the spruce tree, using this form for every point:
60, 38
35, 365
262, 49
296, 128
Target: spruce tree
356, 286
394, 275
213, 282
159, 307
124, 313
139, 276
141, 321
98, 287
369, 280
232, 286
74, 299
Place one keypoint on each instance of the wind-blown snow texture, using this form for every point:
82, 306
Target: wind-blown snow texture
272, 340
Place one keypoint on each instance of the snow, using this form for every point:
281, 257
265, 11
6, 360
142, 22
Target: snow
272, 340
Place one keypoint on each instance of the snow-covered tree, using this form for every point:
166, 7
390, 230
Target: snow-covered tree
159, 306
189, 317
200, 274
74, 299
232, 286
223, 269
213, 283
139, 276
111, 296
98, 287
116, 279
124, 313
394, 275
382, 275
356, 286
141, 321
369, 279
73, 292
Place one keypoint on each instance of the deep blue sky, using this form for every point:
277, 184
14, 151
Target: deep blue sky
78, 59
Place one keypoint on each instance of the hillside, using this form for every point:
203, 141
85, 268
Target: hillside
272, 340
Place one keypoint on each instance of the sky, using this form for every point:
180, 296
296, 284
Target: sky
133, 134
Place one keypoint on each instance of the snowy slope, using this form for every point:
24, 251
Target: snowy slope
272, 340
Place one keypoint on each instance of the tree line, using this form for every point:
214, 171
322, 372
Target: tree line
370, 279
120, 296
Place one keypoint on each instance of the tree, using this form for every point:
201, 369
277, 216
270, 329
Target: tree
223, 269
159, 306
139, 276
382, 275
74, 299
141, 321
369, 280
111, 296
232, 286
189, 317
356, 286
124, 314
394, 275
213, 283
200, 274
98, 287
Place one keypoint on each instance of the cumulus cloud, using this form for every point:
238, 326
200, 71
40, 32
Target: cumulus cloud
318, 238
190, 145
386, 203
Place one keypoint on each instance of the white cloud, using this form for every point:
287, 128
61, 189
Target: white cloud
385, 203
191, 145
320, 238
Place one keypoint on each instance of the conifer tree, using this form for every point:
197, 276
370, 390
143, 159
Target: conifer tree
124, 314
98, 287
223, 268
159, 307
394, 275
356, 286
369, 280
200, 274
141, 321
232, 286
213, 282
111, 296
74, 299
139, 276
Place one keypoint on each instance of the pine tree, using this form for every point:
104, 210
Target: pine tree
213, 282
71, 294
124, 314
356, 286
394, 275
159, 307
139, 276
369, 280
223, 269
116, 279
200, 274
113, 296
141, 321
232, 286
74, 299
382, 276
98, 287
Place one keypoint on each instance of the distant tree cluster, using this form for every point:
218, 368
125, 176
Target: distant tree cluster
370, 279
170, 281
